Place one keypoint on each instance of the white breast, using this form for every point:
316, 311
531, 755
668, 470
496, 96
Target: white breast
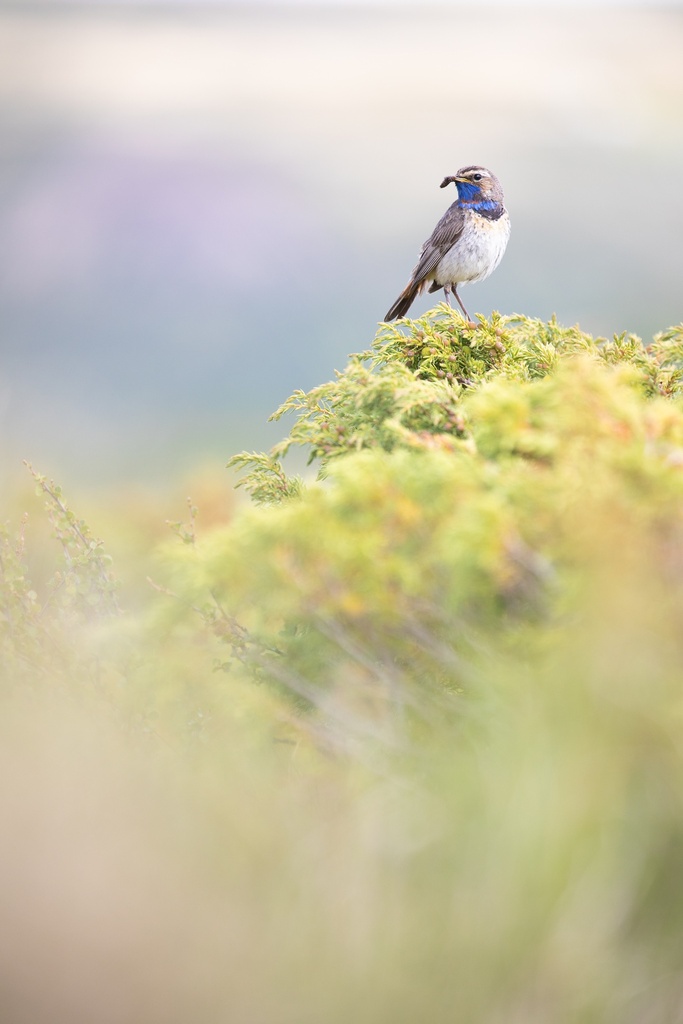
477, 252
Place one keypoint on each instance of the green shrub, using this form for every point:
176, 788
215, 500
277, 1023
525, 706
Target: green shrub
453, 515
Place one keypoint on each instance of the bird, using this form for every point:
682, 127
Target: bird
466, 245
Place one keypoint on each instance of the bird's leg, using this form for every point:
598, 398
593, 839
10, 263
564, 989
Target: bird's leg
447, 293
467, 315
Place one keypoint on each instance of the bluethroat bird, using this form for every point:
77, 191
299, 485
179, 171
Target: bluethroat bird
466, 245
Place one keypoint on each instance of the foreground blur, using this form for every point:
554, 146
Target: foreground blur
524, 869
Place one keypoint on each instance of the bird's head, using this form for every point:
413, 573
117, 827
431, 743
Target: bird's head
475, 185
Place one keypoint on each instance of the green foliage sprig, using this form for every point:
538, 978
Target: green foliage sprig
38, 625
19, 607
268, 483
86, 583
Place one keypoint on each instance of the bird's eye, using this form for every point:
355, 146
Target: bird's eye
476, 177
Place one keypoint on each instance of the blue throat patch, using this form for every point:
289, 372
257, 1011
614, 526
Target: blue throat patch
468, 191
469, 195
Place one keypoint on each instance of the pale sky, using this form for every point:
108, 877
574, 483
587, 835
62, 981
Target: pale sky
352, 3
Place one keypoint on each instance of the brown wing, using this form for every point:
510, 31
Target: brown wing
445, 234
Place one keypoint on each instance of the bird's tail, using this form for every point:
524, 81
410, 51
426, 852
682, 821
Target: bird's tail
404, 301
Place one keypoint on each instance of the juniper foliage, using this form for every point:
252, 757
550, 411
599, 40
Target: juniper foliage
410, 389
467, 477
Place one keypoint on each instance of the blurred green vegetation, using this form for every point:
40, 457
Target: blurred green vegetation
400, 741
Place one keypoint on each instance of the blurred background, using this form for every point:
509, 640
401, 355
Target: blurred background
204, 206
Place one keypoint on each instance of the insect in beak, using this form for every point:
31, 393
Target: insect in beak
453, 178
